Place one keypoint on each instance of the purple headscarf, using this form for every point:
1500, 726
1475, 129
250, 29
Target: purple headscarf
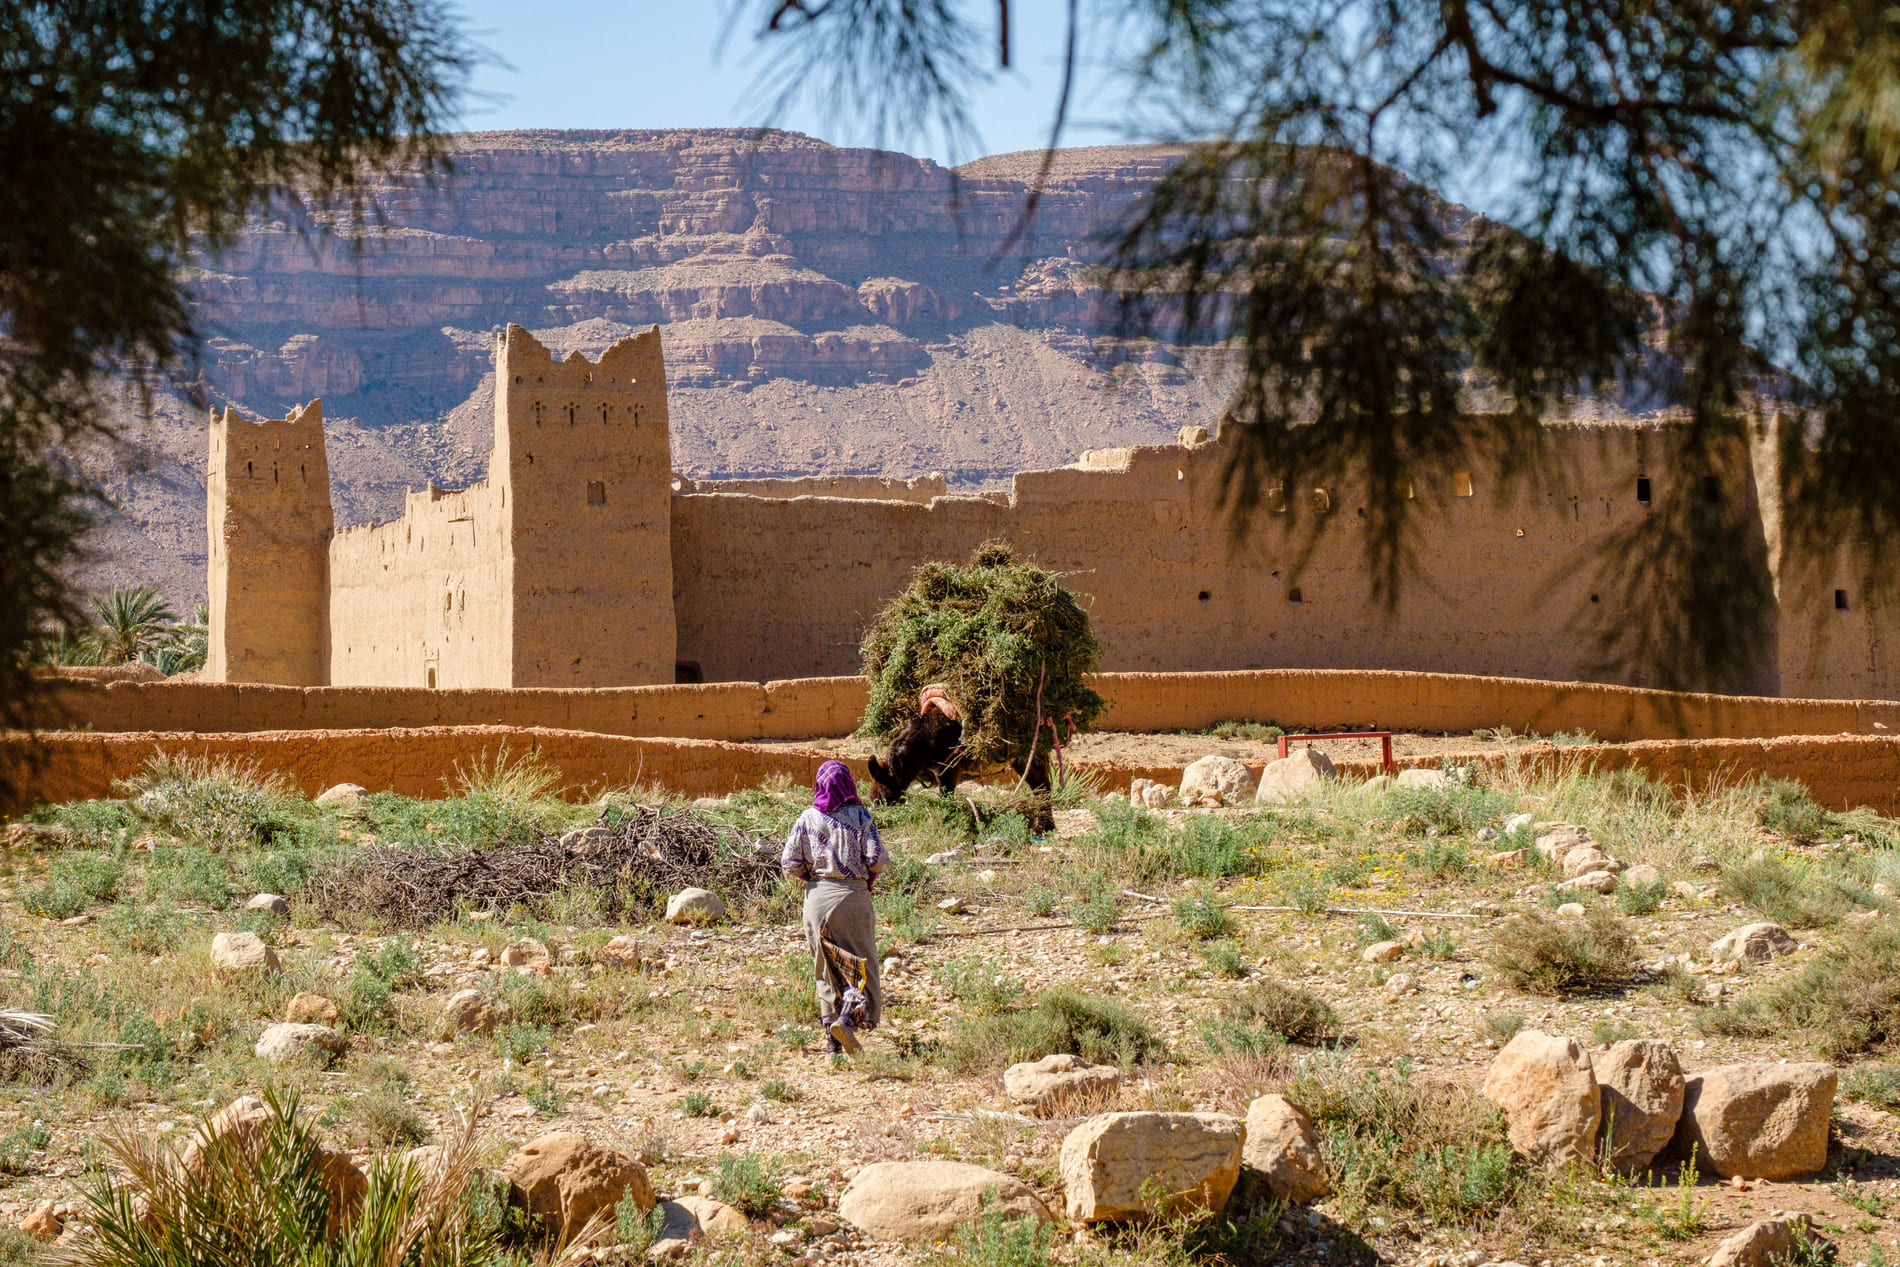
835, 787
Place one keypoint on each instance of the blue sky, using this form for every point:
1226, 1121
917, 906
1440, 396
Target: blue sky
639, 64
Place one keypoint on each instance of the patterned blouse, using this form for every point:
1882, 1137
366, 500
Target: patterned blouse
838, 846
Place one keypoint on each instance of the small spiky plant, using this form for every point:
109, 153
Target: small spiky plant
273, 1196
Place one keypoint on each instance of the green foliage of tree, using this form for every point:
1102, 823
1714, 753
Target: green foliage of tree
1696, 204
1010, 644
133, 135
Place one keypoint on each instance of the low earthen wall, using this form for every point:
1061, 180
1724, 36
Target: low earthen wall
1303, 699
1842, 771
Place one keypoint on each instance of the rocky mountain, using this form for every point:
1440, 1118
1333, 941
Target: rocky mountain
825, 311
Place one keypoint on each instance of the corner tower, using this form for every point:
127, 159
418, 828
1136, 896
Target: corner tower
267, 500
584, 463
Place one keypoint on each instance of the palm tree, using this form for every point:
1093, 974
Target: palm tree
182, 647
132, 619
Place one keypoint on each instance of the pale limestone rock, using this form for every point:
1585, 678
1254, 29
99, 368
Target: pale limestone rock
1549, 1096
1377, 784
1586, 859
278, 906
1684, 889
1046, 1084
342, 796
236, 954
930, 1200
694, 906
1642, 876
1382, 951
1423, 778
622, 951
1148, 793
1506, 858
467, 1012
1755, 943
1216, 781
291, 1041
1121, 1166
1594, 881
675, 1240
310, 1009
528, 952
714, 1217
1758, 1121
1293, 774
1560, 839
1283, 1149
1400, 984
1642, 1100
1762, 1243
564, 1180
427, 1158
1572, 910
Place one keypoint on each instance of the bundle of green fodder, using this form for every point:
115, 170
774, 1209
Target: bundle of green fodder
1006, 640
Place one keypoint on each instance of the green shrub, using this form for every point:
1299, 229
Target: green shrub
1041, 901
1440, 859
748, 1182
222, 804
363, 1003
995, 1239
633, 1231
1225, 959
1374, 927
1452, 810
1848, 997
1099, 908
520, 1043
1454, 1183
1503, 1026
1877, 1084
387, 1118
1203, 917
1210, 848
17, 1148
188, 874
782, 1091
75, 881
1641, 899
1787, 807
699, 1104
143, 926
1060, 1020
1792, 892
980, 985
546, 1097
1545, 955
1270, 1013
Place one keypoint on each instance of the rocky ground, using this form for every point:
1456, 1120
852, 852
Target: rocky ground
1367, 953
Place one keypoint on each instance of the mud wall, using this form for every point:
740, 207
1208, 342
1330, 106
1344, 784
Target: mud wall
1843, 772
807, 707
1507, 581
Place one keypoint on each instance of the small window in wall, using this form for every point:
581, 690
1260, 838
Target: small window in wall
1322, 501
429, 675
1205, 596
1461, 483
1840, 600
1711, 489
1642, 489
448, 602
1276, 497
1294, 596
596, 493
686, 673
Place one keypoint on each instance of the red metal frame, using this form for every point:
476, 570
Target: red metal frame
1383, 736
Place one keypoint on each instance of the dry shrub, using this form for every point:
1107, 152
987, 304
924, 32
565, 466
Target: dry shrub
1848, 997
1543, 954
1269, 1014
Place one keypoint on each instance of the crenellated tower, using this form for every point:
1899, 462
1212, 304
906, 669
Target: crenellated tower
267, 496
583, 461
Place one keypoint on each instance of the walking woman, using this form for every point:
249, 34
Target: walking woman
834, 848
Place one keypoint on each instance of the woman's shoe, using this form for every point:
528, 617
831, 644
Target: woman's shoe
840, 1031
832, 1046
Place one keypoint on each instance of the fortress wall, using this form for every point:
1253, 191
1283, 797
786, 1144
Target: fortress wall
810, 707
1507, 583
583, 447
268, 528
921, 489
1843, 772
423, 601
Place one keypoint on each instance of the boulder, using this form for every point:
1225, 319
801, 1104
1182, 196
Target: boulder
675, 1240
1293, 774
243, 1121
1122, 1166
1642, 876
1377, 784
1585, 859
1148, 793
1423, 778
428, 1158
623, 951
310, 1009
289, 1040
278, 906
1560, 839
930, 1200
564, 1180
238, 954
1758, 1121
41, 1221
694, 906
1045, 1085
529, 952
1216, 781
1761, 1243
1594, 881
1382, 951
341, 796
1282, 1148
715, 1216
1642, 1100
1754, 943
1549, 1096
467, 1012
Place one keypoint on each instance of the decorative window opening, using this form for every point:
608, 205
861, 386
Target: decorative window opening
1205, 596
1840, 600
1642, 489
1322, 501
1276, 497
1294, 596
687, 673
1179, 476
1595, 598
1711, 489
596, 493
1461, 483
429, 676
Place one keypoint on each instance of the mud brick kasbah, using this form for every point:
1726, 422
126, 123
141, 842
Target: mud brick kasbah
585, 561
